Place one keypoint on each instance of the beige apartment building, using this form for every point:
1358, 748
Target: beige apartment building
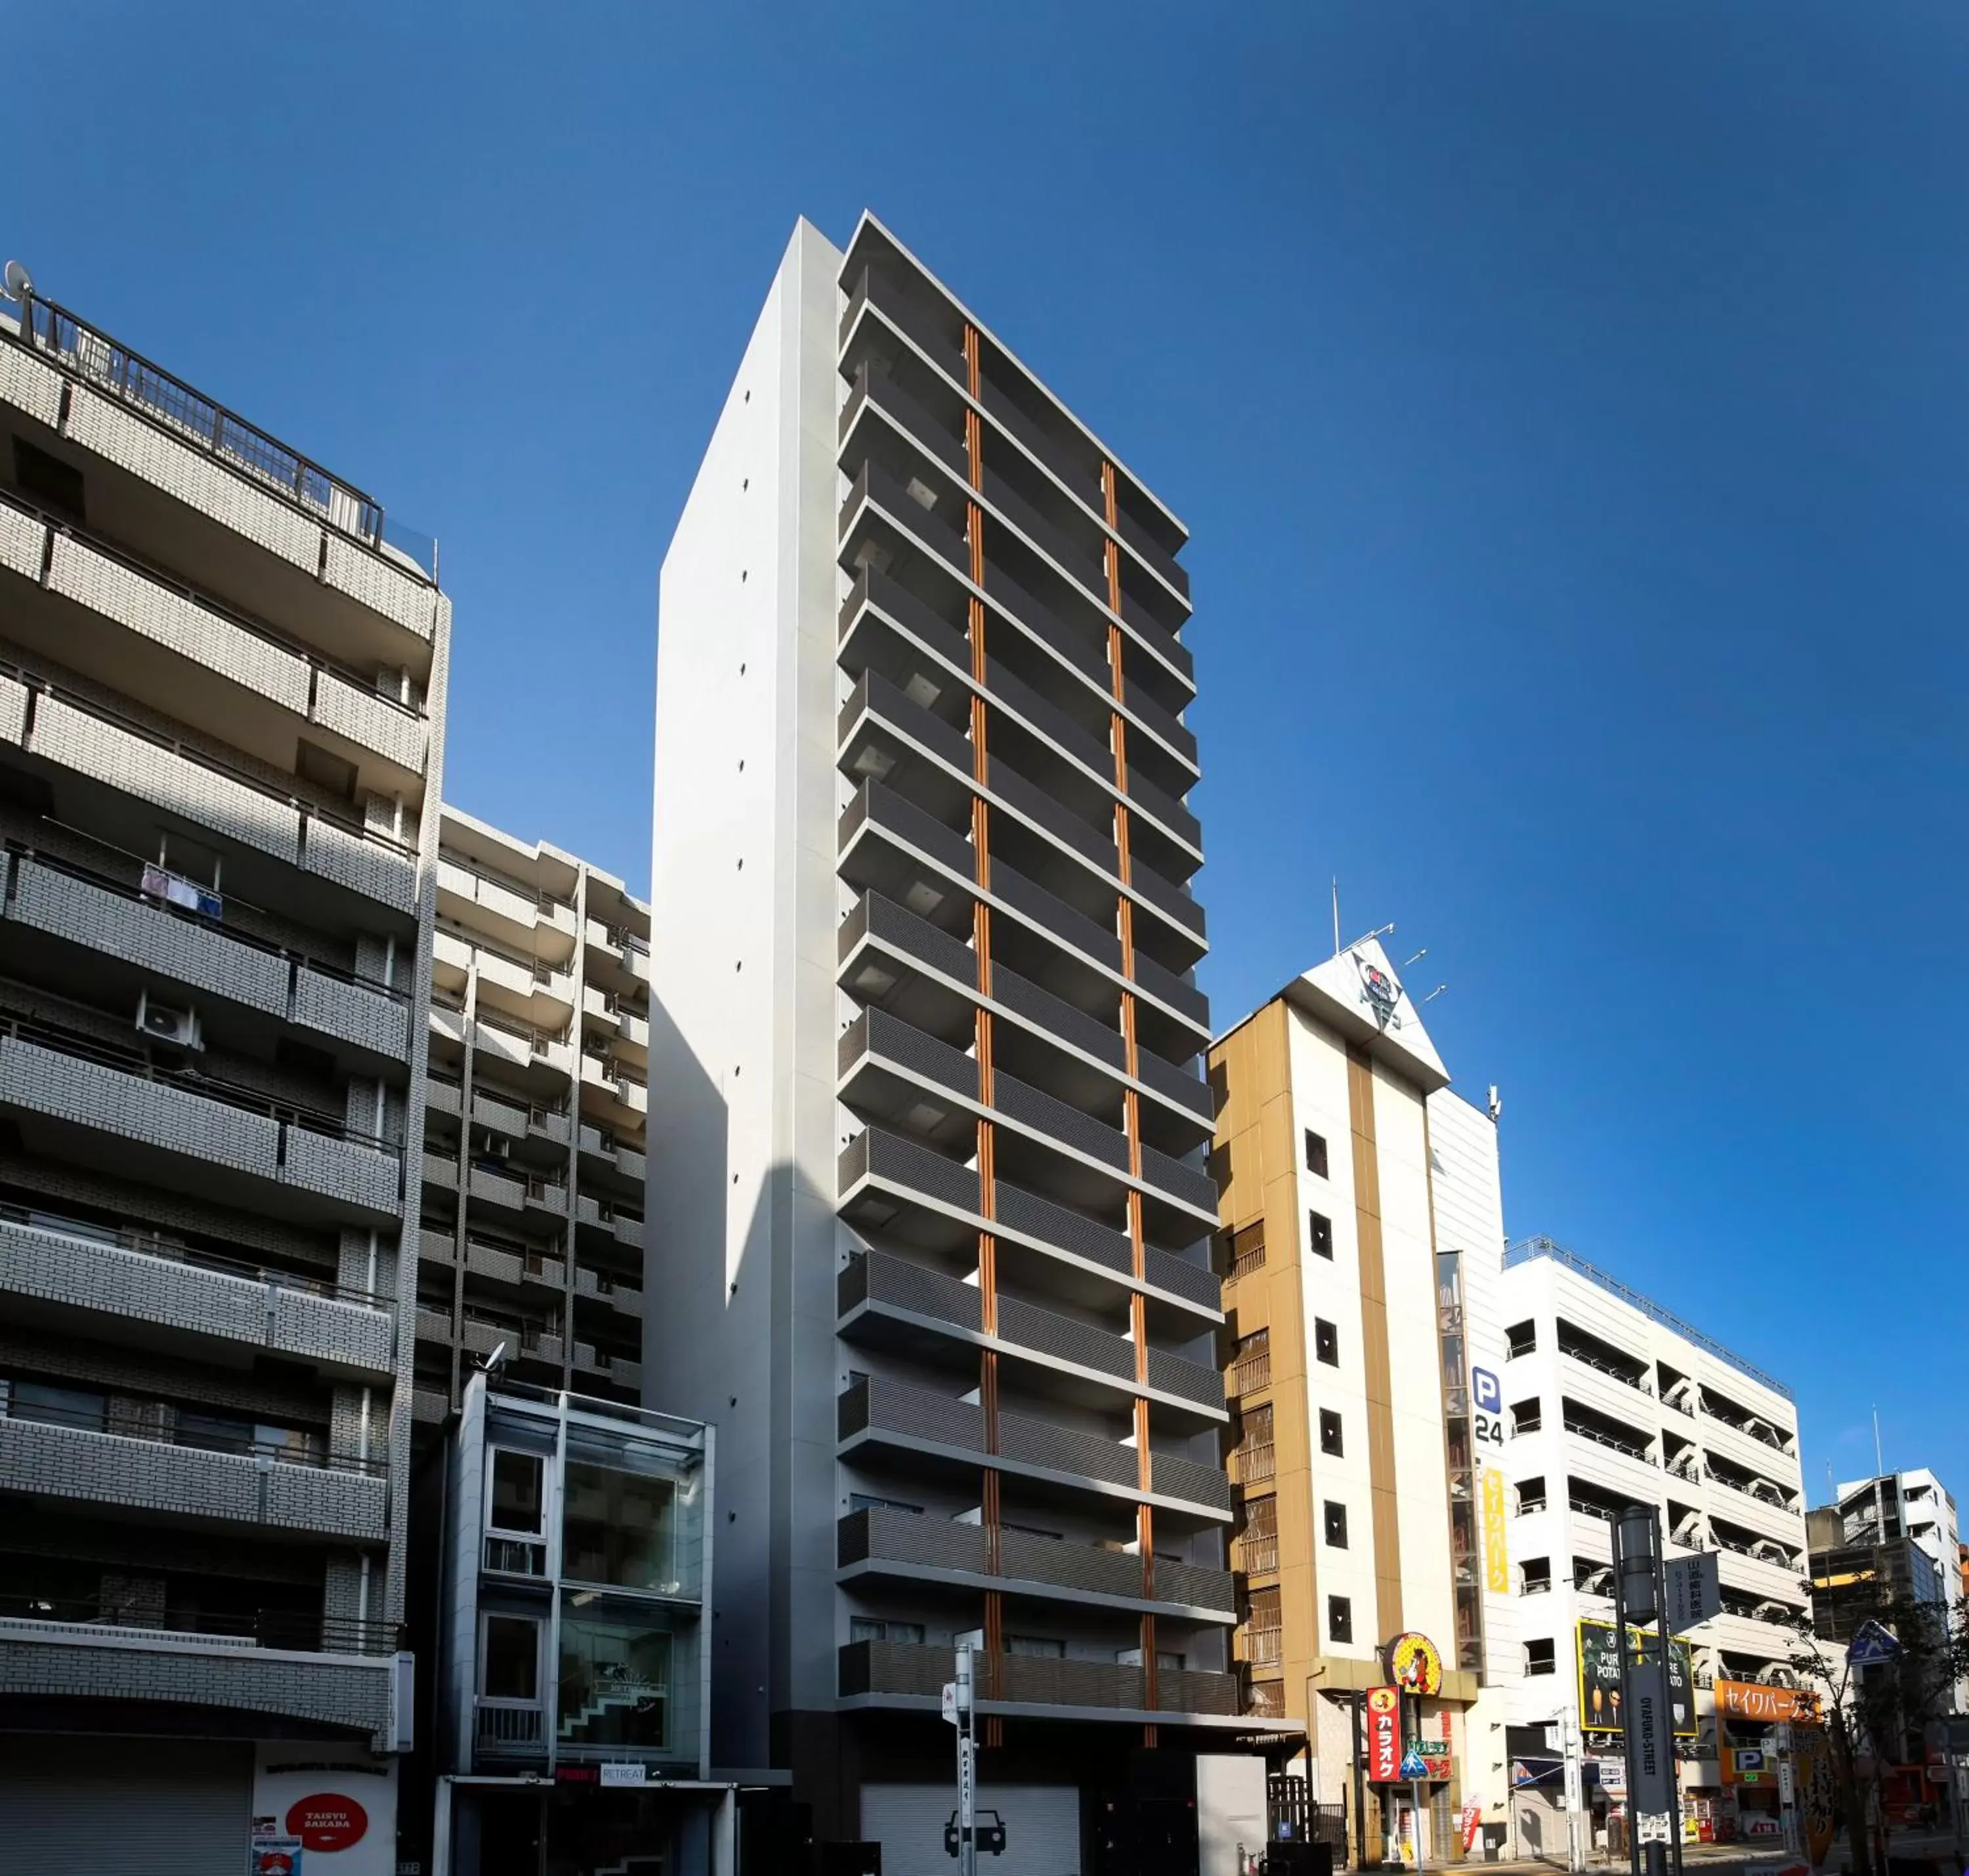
222, 685
1361, 1210
533, 1127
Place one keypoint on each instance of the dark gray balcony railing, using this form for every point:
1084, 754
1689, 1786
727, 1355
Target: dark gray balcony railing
884, 1536
1179, 1084
1047, 719
874, 486
882, 806
877, 389
1171, 649
1189, 1183
877, 916
1165, 987
874, 287
908, 1669
883, 1406
1155, 556
876, 1276
1147, 884
1055, 915
1032, 1217
875, 1152
874, 693
1194, 1283
1081, 562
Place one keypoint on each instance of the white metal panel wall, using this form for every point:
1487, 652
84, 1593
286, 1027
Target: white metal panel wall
1041, 1828
114, 1807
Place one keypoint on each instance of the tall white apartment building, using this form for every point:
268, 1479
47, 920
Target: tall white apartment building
926, 1069
221, 683
1603, 1399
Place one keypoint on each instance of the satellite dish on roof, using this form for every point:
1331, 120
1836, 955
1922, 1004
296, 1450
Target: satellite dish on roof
19, 283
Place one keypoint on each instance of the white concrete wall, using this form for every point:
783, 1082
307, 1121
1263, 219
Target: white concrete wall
742, 1130
1470, 1219
1542, 1290
1331, 1290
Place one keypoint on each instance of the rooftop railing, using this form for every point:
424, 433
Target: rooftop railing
1527, 1248
89, 354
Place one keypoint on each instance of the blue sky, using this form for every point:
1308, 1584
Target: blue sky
1567, 403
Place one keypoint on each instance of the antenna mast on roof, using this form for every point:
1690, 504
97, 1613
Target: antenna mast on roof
1336, 915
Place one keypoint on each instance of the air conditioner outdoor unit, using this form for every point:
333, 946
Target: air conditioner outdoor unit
166, 1022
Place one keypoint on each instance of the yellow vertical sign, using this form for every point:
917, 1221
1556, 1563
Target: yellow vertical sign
1497, 1557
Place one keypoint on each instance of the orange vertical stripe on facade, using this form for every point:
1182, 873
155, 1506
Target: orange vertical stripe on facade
987, 1244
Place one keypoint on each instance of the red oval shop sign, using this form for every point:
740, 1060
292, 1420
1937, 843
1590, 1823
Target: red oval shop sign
328, 1821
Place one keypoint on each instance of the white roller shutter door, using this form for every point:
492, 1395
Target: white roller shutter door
79, 1805
1041, 1828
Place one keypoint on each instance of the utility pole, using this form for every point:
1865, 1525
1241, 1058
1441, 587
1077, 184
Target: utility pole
1360, 1761
961, 1708
1646, 1715
1576, 1792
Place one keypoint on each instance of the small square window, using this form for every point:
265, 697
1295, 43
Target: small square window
1330, 1442
1320, 1232
1335, 1521
1339, 1618
1326, 1341
1316, 1153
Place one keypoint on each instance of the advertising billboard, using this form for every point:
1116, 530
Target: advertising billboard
1599, 1658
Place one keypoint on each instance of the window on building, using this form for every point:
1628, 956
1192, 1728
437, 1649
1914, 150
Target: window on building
1326, 1341
1251, 1365
1316, 1153
1520, 1338
1531, 1496
1245, 1251
1044, 1646
1339, 1618
1537, 1575
509, 1658
1331, 1442
877, 1628
1526, 1416
516, 1492
1334, 1516
615, 1672
1319, 1234
1539, 1656
863, 1502
619, 1527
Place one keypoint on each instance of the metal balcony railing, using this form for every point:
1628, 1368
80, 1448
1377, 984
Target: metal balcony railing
351, 674
904, 1669
133, 1061
149, 890
145, 1242
290, 1629
157, 1423
912, 1540
88, 353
